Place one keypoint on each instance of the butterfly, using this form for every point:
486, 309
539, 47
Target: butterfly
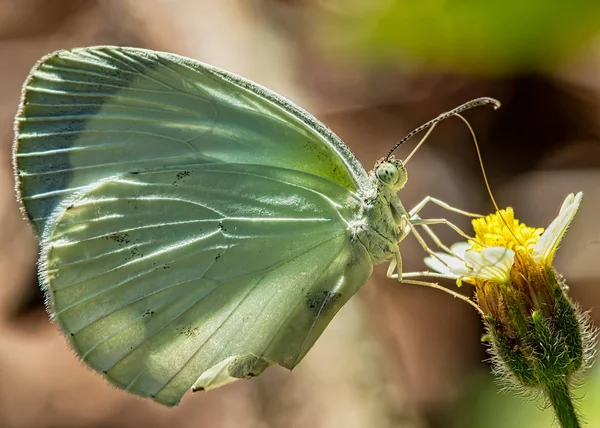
195, 227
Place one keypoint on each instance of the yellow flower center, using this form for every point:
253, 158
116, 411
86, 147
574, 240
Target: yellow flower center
502, 229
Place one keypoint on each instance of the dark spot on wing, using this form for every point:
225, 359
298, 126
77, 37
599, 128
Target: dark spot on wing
134, 252
336, 173
191, 331
247, 366
119, 238
180, 177
323, 302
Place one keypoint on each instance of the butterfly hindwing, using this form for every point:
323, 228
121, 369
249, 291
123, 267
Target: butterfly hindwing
170, 278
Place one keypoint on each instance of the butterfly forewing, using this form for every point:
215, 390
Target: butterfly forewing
91, 113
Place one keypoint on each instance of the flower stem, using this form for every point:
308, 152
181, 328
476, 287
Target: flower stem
560, 397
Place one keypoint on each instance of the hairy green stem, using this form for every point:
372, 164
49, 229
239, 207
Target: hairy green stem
560, 397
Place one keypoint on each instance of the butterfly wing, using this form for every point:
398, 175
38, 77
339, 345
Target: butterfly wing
173, 278
91, 113
195, 227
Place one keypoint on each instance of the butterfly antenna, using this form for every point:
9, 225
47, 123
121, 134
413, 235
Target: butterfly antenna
485, 179
477, 102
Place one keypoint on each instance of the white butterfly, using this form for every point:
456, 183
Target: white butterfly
195, 227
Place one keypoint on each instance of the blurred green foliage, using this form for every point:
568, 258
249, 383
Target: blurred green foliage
485, 406
492, 37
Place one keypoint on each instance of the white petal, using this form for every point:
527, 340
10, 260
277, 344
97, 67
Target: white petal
438, 266
461, 271
460, 248
547, 244
451, 260
500, 261
492, 263
474, 259
498, 255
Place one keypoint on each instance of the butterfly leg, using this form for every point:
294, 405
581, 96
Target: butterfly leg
411, 228
425, 223
395, 265
412, 220
428, 199
439, 287
437, 241
416, 220
404, 277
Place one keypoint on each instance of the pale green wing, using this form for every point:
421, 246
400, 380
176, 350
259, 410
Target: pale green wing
91, 113
198, 276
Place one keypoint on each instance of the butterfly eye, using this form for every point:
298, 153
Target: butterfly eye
392, 174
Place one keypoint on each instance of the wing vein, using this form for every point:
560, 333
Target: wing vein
295, 306
242, 300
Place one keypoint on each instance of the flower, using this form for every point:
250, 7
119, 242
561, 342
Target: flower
509, 263
538, 338
498, 237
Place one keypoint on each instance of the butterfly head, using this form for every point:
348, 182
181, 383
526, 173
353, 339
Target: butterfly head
391, 172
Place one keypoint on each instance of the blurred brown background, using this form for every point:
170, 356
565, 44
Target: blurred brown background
397, 355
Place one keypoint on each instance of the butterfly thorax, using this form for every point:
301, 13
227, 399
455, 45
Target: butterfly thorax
384, 220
